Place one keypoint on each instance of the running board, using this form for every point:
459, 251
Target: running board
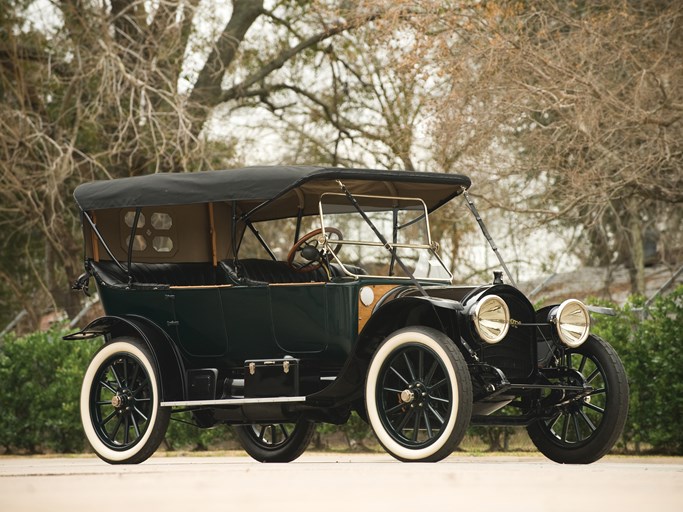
235, 401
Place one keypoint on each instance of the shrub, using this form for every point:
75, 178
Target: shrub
650, 346
39, 397
40, 385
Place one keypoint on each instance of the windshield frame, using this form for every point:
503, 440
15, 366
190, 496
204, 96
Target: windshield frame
431, 246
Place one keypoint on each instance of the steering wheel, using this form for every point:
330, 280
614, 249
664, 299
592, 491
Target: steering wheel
305, 242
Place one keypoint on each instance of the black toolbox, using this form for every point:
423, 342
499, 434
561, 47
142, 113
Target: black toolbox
271, 377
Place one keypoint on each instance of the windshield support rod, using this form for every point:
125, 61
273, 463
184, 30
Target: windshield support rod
299, 218
261, 240
394, 239
386, 244
489, 238
104, 244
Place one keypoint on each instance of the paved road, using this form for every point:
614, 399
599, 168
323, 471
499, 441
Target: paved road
333, 482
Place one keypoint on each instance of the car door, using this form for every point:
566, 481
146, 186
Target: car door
299, 314
199, 320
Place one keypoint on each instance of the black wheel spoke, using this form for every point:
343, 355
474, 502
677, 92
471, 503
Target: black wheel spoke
409, 365
430, 373
594, 407
284, 431
599, 391
107, 419
135, 409
438, 416
592, 376
416, 427
141, 386
106, 385
553, 421
575, 420
565, 427
116, 428
405, 419
395, 408
442, 400
582, 365
428, 425
135, 375
421, 365
438, 384
126, 431
399, 375
116, 376
392, 390
588, 421
135, 426
262, 432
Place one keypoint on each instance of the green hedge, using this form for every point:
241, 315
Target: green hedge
40, 384
40, 379
650, 343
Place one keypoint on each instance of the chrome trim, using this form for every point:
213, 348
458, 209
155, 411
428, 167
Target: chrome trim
235, 401
601, 310
556, 315
475, 313
429, 246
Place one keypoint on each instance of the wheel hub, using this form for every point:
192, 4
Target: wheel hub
122, 399
416, 395
407, 396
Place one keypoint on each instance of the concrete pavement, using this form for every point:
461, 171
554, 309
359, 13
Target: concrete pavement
339, 482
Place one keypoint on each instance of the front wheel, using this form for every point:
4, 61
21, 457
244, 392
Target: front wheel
582, 431
418, 395
120, 410
276, 442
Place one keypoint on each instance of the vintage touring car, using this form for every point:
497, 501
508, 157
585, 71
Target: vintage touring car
209, 311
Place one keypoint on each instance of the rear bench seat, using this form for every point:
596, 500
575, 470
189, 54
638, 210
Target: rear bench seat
250, 271
173, 274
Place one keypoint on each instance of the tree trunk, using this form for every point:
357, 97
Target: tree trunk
637, 266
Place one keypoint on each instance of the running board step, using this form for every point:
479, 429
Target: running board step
235, 401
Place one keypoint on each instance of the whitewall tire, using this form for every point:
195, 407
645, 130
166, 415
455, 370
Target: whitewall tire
120, 398
418, 395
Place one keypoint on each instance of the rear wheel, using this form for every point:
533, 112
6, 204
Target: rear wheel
276, 442
120, 410
418, 395
584, 430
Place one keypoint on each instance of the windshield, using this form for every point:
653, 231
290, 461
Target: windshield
403, 223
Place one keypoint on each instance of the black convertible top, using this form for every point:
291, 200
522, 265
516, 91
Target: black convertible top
255, 187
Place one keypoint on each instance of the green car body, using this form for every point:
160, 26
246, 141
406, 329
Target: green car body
272, 345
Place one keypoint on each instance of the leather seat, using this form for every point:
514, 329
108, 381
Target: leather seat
173, 274
269, 271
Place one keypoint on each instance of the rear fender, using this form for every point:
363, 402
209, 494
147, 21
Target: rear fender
165, 354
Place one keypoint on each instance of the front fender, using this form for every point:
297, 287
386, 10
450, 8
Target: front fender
166, 357
440, 314
432, 312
